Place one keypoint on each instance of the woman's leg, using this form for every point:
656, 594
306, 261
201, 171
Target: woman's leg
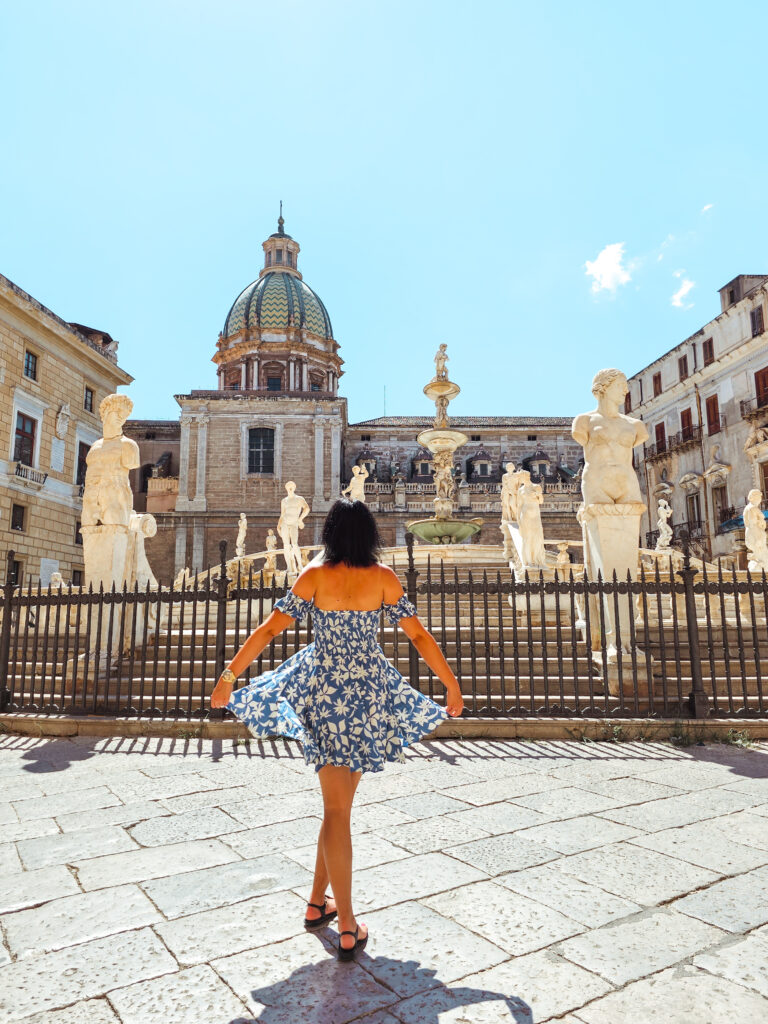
339, 785
321, 880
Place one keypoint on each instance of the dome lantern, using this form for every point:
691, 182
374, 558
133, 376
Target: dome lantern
281, 252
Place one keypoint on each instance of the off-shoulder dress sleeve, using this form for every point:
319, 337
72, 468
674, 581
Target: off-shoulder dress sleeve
402, 610
293, 605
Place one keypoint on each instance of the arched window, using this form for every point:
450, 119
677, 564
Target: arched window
261, 450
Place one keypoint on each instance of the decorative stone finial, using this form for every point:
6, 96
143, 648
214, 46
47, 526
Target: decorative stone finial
280, 221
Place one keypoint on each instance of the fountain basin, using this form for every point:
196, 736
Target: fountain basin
442, 439
444, 531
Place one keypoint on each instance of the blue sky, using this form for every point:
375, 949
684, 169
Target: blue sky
449, 170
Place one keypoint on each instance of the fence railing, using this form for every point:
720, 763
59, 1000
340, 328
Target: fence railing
671, 642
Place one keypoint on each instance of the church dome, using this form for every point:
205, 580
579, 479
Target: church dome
275, 301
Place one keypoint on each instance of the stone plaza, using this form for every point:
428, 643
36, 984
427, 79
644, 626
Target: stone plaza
147, 880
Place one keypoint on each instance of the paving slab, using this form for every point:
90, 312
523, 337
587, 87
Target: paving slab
680, 995
744, 827
627, 950
499, 818
13, 831
512, 921
568, 802
73, 919
9, 859
31, 888
120, 814
573, 835
498, 854
7, 813
398, 881
627, 791
427, 805
225, 884
301, 981
257, 842
133, 786
744, 961
412, 948
682, 809
154, 862
198, 938
703, 844
736, 904
191, 996
253, 813
432, 834
690, 776
203, 823
643, 876
81, 972
68, 847
90, 1011
586, 903
64, 803
496, 790
373, 817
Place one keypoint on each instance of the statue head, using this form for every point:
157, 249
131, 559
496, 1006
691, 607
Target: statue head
290, 487
356, 470
242, 517
443, 347
114, 411
755, 496
510, 467
610, 380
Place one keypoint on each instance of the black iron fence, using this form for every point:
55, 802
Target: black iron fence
673, 642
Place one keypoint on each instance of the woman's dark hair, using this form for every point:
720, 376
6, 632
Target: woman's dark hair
350, 534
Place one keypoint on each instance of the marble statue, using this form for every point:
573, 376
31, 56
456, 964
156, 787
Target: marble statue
755, 533
441, 412
444, 485
356, 488
242, 527
139, 572
107, 497
62, 420
56, 582
608, 437
465, 497
529, 499
270, 565
665, 530
510, 485
562, 560
441, 358
293, 511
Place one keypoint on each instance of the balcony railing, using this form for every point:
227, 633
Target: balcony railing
31, 476
751, 407
686, 438
693, 529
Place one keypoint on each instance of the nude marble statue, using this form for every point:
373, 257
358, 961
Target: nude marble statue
107, 495
665, 530
529, 500
441, 358
293, 511
510, 484
356, 488
755, 532
608, 437
242, 527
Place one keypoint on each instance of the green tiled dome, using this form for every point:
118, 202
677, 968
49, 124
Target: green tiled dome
278, 300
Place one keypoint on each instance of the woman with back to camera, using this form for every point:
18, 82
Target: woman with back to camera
349, 707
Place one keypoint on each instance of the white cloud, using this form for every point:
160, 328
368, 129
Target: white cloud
608, 271
678, 299
707, 207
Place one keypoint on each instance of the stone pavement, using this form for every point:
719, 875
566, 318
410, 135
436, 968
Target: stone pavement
156, 880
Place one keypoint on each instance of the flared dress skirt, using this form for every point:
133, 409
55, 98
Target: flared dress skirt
339, 696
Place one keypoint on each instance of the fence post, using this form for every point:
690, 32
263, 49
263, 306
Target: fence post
698, 700
221, 619
410, 589
5, 631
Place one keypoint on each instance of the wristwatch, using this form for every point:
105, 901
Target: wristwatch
228, 675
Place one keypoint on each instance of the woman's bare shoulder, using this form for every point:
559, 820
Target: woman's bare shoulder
306, 585
393, 588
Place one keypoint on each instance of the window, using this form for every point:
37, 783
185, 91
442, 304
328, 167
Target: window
17, 517
88, 400
77, 577
424, 469
289, 258
708, 346
756, 320
314, 385
693, 508
531, 437
261, 450
719, 503
628, 402
764, 478
713, 415
661, 438
761, 387
474, 437
78, 534
686, 424
731, 296
275, 384
482, 469
24, 446
269, 259
278, 255
682, 367
640, 382
656, 384
365, 437
17, 574
693, 349
30, 365
82, 454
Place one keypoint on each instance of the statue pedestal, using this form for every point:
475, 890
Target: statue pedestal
629, 682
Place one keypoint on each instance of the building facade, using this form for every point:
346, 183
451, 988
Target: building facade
53, 375
277, 414
705, 403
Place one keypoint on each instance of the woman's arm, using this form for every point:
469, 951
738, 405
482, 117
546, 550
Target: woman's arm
275, 623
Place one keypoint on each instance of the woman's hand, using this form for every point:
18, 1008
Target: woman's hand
454, 702
222, 693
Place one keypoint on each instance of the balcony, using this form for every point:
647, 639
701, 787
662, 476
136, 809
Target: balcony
687, 438
31, 477
751, 408
694, 529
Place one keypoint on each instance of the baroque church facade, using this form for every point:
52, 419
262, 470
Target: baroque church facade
278, 414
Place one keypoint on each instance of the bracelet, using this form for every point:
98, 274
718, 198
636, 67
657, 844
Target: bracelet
228, 676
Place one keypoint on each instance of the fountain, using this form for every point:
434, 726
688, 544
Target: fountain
442, 528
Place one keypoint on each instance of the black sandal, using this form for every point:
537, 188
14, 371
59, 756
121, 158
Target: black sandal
351, 953
312, 924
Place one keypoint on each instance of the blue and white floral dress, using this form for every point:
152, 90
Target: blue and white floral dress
339, 695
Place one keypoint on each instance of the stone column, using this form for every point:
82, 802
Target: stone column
198, 546
254, 372
185, 421
304, 376
335, 461
180, 558
202, 450
319, 441
243, 369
